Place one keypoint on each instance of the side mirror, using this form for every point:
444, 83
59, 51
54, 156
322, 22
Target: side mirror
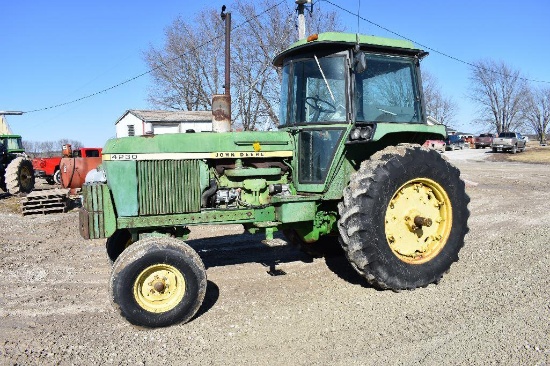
360, 62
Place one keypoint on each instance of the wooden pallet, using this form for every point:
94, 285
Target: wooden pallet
45, 202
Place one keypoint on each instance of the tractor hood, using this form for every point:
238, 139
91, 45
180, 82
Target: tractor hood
202, 145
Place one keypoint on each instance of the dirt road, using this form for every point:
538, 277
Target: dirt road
492, 308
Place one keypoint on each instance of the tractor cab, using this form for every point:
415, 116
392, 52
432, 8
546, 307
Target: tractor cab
339, 87
11, 144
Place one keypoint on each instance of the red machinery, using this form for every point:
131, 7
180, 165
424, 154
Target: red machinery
76, 164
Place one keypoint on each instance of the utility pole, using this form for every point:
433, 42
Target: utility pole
301, 18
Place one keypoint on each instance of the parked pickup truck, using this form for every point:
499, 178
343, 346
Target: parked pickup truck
483, 140
508, 141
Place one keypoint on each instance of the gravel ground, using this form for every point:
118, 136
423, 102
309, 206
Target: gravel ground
492, 308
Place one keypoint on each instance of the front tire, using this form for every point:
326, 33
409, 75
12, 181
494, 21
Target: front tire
404, 218
157, 282
57, 176
117, 243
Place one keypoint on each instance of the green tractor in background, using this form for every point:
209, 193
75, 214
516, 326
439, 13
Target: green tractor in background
346, 167
16, 171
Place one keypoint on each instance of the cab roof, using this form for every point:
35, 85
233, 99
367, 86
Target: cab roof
341, 41
10, 136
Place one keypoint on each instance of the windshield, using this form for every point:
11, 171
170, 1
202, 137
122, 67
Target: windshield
386, 91
317, 91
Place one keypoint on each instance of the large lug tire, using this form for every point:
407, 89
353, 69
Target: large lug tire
117, 243
403, 218
20, 176
157, 282
514, 149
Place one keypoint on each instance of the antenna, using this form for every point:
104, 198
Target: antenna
358, 12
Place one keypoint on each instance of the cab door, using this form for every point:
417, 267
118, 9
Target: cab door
318, 110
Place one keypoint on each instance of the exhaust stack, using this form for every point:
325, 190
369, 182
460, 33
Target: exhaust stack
221, 103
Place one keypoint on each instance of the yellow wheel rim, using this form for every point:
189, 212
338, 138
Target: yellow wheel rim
418, 221
159, 288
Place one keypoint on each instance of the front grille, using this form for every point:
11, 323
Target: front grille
92, 221
168, 187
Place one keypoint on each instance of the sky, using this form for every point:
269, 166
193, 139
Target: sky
54, 52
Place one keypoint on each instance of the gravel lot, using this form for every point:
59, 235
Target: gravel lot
492, 308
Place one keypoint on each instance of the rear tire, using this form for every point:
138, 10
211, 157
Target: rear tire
157, 282
20, 176
376, 218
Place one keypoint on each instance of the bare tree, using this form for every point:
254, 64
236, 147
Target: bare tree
500, 92
189, 69
186, 72
536, 111
438, 106
49, 148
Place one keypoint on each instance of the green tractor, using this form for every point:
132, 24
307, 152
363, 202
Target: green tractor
16, 171
345, 168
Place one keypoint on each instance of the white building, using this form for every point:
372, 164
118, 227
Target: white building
4, 126
140, 122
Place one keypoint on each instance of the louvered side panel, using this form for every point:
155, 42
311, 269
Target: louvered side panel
168, 187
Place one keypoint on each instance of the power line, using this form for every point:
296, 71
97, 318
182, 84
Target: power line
163, 64
427, 47
248, 20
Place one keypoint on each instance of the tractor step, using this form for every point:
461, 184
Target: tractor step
45, 202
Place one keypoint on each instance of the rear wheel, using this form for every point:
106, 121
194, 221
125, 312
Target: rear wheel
20, 176
157, 282
403, 218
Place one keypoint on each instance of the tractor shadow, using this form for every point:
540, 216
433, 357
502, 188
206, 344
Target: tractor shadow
250, 248
210, 299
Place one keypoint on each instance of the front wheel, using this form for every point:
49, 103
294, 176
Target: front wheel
57, 176
117, 243
404, 218
157, 282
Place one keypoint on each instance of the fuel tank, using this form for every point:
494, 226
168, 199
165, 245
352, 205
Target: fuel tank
74, 170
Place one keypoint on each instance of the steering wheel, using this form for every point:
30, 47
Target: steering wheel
319, 106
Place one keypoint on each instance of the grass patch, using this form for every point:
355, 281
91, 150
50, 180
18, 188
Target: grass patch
533, 154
